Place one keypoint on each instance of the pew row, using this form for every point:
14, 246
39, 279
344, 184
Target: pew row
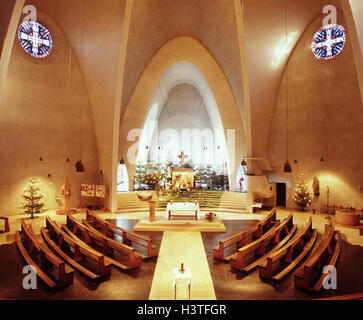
63, 244
270, 242
310, 275
107, 259
47, 259
240, 239
128, 237
6, 225
90, 235
290, 255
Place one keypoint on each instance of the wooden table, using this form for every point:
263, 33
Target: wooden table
347, 217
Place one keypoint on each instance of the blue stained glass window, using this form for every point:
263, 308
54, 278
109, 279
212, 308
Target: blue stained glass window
329, 41
35, 39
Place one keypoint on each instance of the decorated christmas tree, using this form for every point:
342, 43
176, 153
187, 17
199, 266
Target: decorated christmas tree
32, 203
150, 176
302, 195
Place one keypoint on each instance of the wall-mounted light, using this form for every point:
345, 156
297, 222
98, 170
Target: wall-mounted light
122, 161
40, 159
296, 162
322, 159
68, 160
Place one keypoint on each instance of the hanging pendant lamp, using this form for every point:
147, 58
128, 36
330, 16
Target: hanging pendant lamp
287, 166
79, 166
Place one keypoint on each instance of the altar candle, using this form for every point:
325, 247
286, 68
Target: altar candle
182, 267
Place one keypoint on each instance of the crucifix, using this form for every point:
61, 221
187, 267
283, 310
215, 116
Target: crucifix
182, 157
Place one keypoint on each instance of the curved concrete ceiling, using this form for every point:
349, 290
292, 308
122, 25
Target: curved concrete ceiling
266, 30
155, 22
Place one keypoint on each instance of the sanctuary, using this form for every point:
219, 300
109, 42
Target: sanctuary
181, 150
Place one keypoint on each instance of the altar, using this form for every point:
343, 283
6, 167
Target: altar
182, 209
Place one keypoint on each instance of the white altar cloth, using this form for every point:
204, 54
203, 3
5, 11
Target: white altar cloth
183, 281
182, 208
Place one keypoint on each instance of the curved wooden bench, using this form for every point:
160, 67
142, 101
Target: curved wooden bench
107, 259
6, 225
292, 253
240, 239
86, 231
309, 276
46, 258
109, 230
61, 242
268, 243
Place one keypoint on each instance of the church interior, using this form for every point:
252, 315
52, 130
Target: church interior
181, 150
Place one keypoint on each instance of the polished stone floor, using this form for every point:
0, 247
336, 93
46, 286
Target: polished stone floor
228, 284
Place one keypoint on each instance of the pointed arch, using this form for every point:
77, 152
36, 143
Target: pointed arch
184, 49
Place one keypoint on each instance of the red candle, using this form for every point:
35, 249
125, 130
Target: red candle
182, 267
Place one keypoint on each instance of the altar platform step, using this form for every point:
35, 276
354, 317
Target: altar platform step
181, 225
214, 199
203, 210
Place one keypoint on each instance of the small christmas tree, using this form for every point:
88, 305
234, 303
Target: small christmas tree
302, 195
32, 203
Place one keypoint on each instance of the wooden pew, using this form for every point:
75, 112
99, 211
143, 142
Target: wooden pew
309, 276
107, 259
240, 239
47, 258
291, 254
62, 243
270, 242
6, 225
87, 233
109, 230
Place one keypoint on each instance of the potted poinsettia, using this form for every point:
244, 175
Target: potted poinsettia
210, 216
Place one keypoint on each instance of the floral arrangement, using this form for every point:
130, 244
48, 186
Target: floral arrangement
210, 216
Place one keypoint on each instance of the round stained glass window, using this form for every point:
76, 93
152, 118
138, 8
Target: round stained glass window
35, 39
329, 41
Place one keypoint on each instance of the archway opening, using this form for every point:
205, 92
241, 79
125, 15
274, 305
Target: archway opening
182, 129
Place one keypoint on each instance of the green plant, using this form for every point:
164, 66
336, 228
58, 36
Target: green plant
32, 203
302, 196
